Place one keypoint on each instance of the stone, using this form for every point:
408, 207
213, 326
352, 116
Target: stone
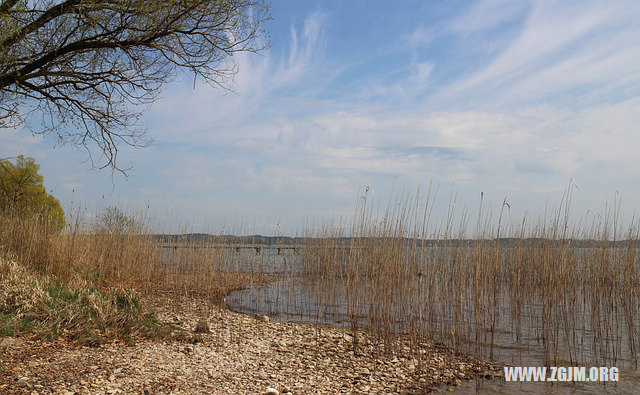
271, 391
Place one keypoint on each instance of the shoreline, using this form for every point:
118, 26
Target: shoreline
241, 354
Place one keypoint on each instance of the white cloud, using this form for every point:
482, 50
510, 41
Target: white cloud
414, 82
304, 50
191, 115
420, 73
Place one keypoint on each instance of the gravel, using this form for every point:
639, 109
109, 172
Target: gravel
240, 354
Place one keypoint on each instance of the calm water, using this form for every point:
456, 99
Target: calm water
268, 259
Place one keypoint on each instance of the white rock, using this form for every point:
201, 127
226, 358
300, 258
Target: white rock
271, 391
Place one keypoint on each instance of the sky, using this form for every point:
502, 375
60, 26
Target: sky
512, 99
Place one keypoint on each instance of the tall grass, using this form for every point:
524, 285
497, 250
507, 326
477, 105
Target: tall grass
134, 259
91, 280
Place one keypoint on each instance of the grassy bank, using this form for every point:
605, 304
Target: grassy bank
91, 285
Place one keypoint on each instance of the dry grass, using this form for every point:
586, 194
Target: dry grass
130, 260
85, 283
49, 308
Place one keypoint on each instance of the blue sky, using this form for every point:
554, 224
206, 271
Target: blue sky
511, 98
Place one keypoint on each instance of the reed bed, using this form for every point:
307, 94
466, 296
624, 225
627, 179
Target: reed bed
565, 292
129, 259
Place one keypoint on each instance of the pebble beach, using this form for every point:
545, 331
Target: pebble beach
239, 354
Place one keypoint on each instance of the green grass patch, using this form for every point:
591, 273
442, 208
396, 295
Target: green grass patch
50, 308
60, 292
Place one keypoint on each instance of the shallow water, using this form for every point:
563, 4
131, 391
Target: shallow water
268, 259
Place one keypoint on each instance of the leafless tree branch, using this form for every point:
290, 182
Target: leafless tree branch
90, 67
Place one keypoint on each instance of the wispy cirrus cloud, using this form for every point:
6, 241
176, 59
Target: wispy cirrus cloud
197, 111
419, 37
564, 50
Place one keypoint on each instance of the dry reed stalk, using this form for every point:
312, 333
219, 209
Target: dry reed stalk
572, 288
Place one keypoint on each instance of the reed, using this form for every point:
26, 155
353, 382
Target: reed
134, 259
568, 290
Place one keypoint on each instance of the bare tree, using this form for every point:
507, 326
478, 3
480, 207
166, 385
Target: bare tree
89, 67
113, 220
